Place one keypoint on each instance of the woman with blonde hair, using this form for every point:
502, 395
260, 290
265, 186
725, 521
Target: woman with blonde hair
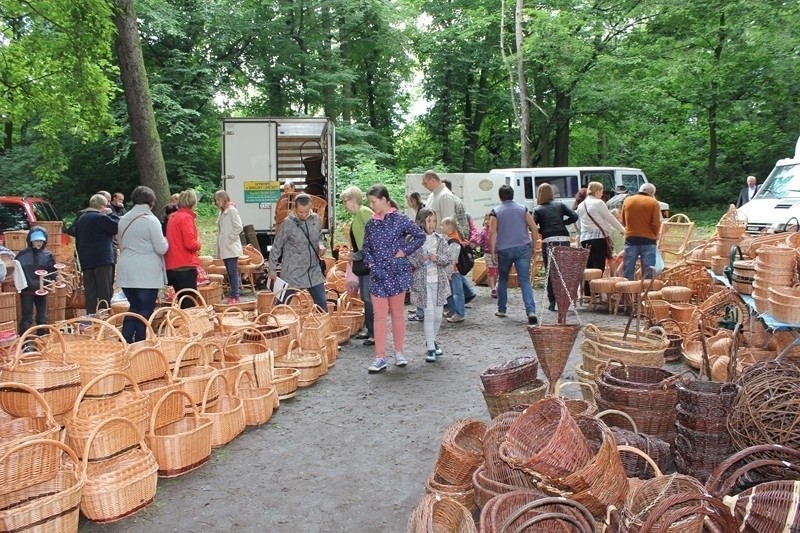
352, 198
184, 244
229, 244
552, 218
597, 224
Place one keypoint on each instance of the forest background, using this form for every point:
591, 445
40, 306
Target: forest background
698, 94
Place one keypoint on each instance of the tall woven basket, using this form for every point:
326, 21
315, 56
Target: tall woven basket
566, 274
553, 344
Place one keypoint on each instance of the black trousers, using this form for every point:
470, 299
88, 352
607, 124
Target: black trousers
183, 278
551, 298
27, 303
99, 285
597, 257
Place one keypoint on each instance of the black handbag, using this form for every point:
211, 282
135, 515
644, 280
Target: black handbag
359, 268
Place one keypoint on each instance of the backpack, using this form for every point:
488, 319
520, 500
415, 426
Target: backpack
466, 258
461, 216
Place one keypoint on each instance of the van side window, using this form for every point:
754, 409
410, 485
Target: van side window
563, 186
632, 182
12, 217
528, 182
606, 178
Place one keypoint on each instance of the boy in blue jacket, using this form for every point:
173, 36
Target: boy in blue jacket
35, 257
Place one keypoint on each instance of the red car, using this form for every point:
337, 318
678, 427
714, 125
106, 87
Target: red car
19, 212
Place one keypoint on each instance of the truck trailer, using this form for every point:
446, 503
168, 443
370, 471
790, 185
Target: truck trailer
260, 155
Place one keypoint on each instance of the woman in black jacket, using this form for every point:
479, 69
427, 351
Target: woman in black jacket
552, 218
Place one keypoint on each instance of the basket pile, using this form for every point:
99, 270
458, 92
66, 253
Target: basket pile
640, 348
775, 266
460, 454
435, 513
510, 384
702, 440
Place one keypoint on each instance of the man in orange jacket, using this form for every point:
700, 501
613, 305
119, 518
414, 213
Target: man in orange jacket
641, 216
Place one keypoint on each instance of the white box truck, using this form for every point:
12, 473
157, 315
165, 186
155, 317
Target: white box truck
777, 201
261, 154
478, 191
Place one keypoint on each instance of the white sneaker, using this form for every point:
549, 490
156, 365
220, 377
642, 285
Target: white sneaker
400, 359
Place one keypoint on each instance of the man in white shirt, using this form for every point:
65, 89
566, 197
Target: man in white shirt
746, 194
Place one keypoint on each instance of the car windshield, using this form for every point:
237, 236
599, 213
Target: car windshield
784, 182
12, 217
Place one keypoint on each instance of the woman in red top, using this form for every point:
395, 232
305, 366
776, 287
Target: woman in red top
184, 244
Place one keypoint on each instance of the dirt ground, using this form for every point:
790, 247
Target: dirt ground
352, 452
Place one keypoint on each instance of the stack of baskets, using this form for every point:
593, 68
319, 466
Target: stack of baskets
510, 384
784, 304
647, 394
775, 266
460, 454
702, 440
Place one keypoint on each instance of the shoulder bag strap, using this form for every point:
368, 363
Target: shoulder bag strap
128, 226
595, 223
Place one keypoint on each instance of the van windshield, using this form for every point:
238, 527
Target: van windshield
784, 182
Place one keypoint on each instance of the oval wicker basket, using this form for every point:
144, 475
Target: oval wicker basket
529, 393
227, 414
440, 514
510, 375
461, 451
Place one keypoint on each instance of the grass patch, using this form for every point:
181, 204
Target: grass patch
703, 217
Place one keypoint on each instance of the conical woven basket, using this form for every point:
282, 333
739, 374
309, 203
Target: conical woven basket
552, 344
567, 274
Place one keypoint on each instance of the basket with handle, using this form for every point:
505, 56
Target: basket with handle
277, 336
97, 347
653, 448
287, 316
510, 375
159, 385
693, 512
147, 364
217, 360
57, 382
578, 406
645, 497
308, 362
243, 343
122, 485
643, 388
732, 225
211, 292
33, 465
193, 379
258, 401
525, 510
641, 348
182, 445
227, 414
150, 339
50, 505
527, 394
487, 487
90, 413
170, 325
234, 317
463, 494
316, 326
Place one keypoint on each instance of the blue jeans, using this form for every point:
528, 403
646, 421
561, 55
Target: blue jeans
469, 290
456, 300
232, 268
551, 298
632, 254
142, 302
366, 297
317, 293
520, 258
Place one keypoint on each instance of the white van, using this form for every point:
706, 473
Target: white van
566, 182
777, 201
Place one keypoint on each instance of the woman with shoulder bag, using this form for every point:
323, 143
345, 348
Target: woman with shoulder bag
597, 223
352, 197
552, 218
229, 245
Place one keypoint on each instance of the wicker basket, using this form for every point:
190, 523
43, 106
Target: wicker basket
526, 510
463, 494
88, 414
546, 441
150, 340
258, 402
57, 382
640, 502
211, 292
193, 379
200, 314
50, 505
244, 343
287, 316
227, 414
33, 465
461, 451
440, 514
180, 446
121, 486
170, 325
640, 348
509, 376
527, 394
308, 362
278, 336
16, 240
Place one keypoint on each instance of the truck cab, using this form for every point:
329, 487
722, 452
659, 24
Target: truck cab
777, 202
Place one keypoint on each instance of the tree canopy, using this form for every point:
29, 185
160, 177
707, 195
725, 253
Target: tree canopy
698, 94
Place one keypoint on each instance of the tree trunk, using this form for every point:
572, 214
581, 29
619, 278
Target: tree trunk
8, 138
562, 116
473, 120
146, 142
524, 103
347, 86
713, 108
541, 157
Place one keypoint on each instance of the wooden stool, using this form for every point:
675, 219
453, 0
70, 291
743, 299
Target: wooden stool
247, 268
600, 287
588, 275
625, 295
676, 294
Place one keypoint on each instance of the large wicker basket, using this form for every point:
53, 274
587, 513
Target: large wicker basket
227, 414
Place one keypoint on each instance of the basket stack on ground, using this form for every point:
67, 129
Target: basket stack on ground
702, 440
132, 412
511, 384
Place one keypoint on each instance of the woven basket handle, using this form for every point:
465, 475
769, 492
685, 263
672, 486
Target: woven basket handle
593, 329
45, 442
32, 332
193, 345
189, 294
103, 424
36, 394
160, 402
555, 500
580, 384
161, 357
279, 309
120, 318
602, 367
238, 334
264, 318
215, 376
712, 508
250, 378
623, 414
544, 518
94, 381
103, 326
173, 318
643, 455
719, 486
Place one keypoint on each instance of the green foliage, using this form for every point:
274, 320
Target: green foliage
365, 173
